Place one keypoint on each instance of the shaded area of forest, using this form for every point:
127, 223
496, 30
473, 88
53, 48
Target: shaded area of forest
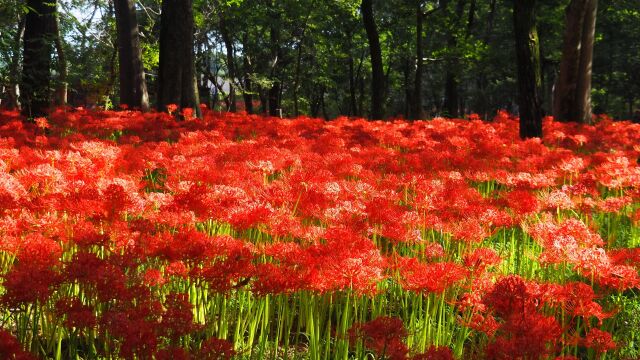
310, 57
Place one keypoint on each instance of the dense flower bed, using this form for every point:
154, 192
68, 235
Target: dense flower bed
128, 235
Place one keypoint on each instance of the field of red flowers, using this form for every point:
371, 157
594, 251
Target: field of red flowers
136, 236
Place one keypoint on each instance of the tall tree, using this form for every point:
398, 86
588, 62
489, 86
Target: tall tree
529, 73
39, 34
63, 84
230, 51
416, 112
377, 71
15, 66
133, 86
451, 95
572, 97
176, 73
273, 95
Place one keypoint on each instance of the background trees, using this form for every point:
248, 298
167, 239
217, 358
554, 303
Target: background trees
133, 85
528, 59
432, 57
572, 97
39, 34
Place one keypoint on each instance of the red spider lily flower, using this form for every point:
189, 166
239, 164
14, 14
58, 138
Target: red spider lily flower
614, 204
173, 353
11, 349
85, 234
470, 230
625, 257
230, 264
26, 283
523, 332
433, 251
345, 261
557, 199
486, 324
292, 270
531, 337
383, 335
39, 251
171, 108
482, 258
138, 335
598, 340
435, 353
177, 269
153, 277
77, 315
620, 277
216, 349
187, 113
42, 123
434, 277
510, 295
177, 320
522, 202
577, 299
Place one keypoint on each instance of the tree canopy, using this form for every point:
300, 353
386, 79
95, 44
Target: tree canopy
310, 57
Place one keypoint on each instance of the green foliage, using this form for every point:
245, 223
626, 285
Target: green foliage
318, 56
627, 323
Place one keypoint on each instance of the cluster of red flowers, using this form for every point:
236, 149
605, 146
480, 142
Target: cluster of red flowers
110, 219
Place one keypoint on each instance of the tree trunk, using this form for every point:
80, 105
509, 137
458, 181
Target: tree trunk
583, 90
176, 76
451, 96
63, 85
451, 93
572, 98
38, 44
417, 86
353, 106
246, 63
231, 67
14, 74
133, 85
276, 56
528, 61
296, 81
408, 101
377, 71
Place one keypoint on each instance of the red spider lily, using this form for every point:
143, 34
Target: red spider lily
534, 336
433, 251
482, 258
216, 349
435, 353
433, 277
230, 265
510, 295
177, 320
138, 335
577, 299
292, 272
523, 332
25, 283
153, 277
598, 340
171, 108
383, 336
522, 202
11, 349
77, 315
173, 353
